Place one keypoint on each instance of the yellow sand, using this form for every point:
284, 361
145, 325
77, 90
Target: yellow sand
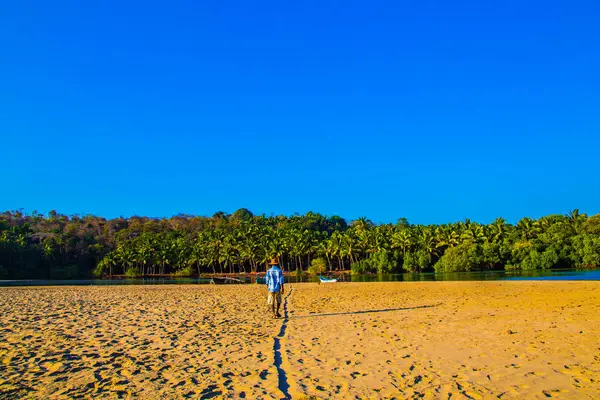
368, 340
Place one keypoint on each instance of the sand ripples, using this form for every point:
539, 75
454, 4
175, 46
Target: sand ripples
379, 340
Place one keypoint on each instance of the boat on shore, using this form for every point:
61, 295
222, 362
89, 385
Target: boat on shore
322, 279
225, 280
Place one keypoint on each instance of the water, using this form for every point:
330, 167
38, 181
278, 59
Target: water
564, 275
108, 282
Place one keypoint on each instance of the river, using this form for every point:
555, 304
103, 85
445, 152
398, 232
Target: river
585, 275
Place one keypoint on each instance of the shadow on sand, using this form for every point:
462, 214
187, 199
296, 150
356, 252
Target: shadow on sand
283, 384
363, 312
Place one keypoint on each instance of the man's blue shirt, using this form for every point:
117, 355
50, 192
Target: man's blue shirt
274, 279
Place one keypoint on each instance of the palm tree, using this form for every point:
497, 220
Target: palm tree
337, 244
427, 241
498, 229
327, 248
198, 255
298, 246
362, 224
447, 237
349, 245
182, 252
402, 239
527, 229
269, 245
163, 255
474, 233
226, 252
107, 261
381, 238
248, 244
576, 219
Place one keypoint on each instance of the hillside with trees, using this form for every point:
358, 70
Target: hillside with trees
57, 246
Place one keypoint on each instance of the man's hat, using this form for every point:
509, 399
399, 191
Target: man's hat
274, 261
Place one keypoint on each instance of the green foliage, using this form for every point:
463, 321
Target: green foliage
417, 262
132, 272
57, 246
520, 251
384, 262
402, 222
361, 267
492, 258
495, 254
300, 273
318, 266
185, 271
381, 262
586, 252
465, 257
540, 260
592, 225
243, 214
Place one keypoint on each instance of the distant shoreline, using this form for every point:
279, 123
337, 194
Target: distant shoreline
229, 274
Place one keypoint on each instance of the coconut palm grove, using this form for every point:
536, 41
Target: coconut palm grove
56, 246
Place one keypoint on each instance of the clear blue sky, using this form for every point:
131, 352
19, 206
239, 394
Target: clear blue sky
430, 110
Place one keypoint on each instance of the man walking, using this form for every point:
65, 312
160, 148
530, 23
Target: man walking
274, 281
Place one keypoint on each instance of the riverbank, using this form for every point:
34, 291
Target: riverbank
476, 339
226, 274
563, 275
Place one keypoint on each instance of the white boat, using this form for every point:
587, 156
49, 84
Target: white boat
327, 280
223, 280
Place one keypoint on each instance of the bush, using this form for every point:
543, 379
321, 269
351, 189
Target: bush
491, 255
537, 260
132, 273
383, 262
361, 267
586, 251
299, 272
186, 271
592, 225
520, 251
416, 262
318, 266
463, 258
98, 272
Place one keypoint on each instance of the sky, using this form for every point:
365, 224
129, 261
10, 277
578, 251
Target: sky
434, 111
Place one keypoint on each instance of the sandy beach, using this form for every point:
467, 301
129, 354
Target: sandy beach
364, 340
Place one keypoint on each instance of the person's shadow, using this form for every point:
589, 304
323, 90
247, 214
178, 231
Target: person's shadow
363, 312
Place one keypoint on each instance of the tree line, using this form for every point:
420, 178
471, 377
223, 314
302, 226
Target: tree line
57, 246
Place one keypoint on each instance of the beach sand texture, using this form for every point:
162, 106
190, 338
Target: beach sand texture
362, 340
